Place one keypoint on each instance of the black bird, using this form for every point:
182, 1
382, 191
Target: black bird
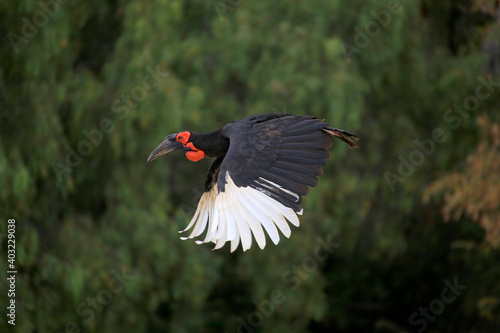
263, 166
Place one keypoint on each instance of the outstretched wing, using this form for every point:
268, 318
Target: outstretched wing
271, 163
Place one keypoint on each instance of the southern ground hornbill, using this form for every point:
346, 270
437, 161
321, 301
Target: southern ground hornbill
263, 166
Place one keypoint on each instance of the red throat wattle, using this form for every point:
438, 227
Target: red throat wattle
195, 155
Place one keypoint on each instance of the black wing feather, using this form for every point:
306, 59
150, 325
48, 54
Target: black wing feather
298, 168
286, 150
303, 161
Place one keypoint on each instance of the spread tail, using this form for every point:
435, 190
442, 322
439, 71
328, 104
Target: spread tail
343, 135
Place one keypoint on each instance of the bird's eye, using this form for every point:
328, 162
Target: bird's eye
182, 137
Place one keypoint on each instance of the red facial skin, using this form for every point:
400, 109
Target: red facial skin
195, 155
183, 137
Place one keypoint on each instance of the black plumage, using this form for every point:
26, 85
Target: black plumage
273, 156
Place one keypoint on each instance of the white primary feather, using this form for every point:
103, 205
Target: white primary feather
252, 217
265, 219
277, 216
232, 193
238, 213
295, 195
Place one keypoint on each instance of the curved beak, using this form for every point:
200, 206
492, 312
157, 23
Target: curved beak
168, 145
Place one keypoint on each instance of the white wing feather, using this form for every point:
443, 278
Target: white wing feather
238, 213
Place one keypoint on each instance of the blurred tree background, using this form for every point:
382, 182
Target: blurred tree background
89, 88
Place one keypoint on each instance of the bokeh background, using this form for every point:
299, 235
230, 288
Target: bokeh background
89, 88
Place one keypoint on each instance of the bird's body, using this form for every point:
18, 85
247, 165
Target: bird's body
263, 166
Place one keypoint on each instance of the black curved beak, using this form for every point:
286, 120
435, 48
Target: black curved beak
168, 145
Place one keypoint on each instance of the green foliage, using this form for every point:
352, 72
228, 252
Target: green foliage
88, 94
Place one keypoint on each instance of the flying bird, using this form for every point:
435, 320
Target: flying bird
263, 165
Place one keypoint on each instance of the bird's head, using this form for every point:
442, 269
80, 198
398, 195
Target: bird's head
179, 141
